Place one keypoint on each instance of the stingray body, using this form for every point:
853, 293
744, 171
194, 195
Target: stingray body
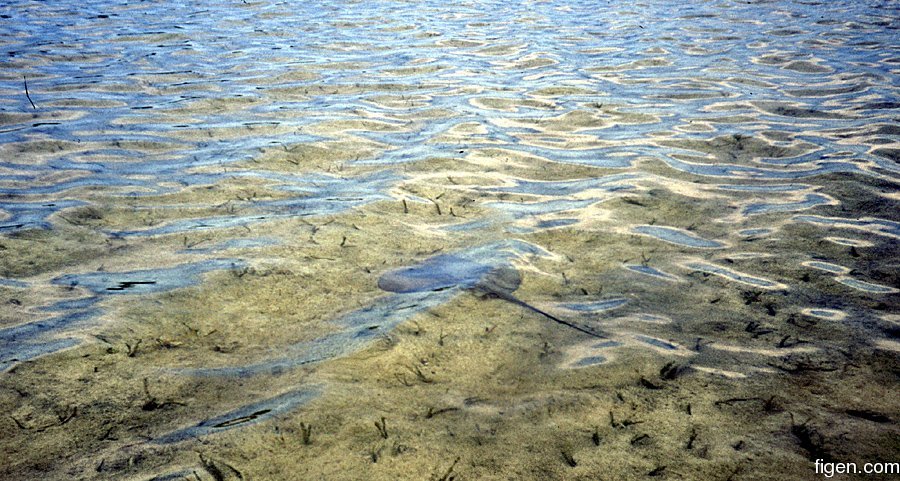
434, 274
448, 271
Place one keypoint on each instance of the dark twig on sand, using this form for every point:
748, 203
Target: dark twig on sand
382, 428
448, 474
306, 431
436, 206
26, 92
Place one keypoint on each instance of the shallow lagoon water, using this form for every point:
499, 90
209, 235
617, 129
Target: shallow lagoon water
197, 203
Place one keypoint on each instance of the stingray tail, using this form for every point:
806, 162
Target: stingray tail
554, 318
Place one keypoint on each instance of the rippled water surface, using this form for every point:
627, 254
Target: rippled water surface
260, 240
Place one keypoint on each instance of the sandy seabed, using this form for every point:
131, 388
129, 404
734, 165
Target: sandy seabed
262, 241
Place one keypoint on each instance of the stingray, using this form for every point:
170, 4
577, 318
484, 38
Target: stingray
448, 271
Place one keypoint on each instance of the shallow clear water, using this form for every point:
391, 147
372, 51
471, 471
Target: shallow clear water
205, 196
